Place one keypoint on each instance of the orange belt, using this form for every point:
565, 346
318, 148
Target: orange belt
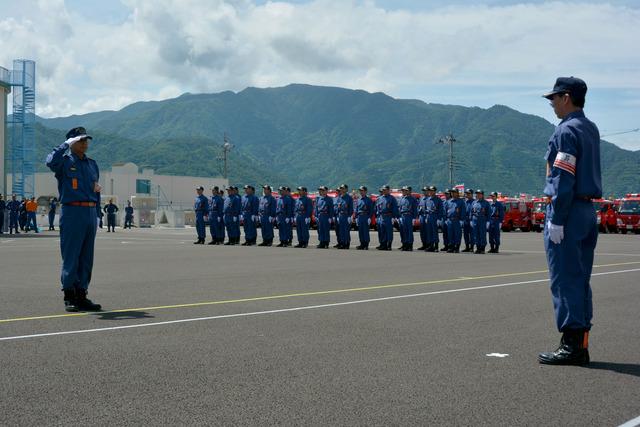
83, 204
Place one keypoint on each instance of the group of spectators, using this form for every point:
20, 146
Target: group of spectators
22, 214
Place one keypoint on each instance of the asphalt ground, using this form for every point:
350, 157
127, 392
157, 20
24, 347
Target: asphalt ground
218, 335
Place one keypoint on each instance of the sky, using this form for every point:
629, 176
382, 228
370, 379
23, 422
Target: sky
94, 55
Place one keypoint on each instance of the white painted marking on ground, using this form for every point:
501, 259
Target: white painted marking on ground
8, 241
124, 242
292, 309
500, 355
631, 423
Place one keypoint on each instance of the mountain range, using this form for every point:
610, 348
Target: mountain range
311, 135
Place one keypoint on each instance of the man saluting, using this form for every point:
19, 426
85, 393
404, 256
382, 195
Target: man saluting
78, 186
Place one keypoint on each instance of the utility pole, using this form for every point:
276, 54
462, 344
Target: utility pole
226, 148
450, 140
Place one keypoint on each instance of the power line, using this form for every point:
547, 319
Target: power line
621, 132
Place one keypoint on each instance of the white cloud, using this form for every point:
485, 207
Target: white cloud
166, 47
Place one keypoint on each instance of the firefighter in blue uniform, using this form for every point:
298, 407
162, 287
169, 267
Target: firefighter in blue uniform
201, 207
128, 215
99, 209
408, 208
434, 216
364, 213
303, 208
3, 207
422, 216
231, 210
78, 188
250, 205
442, 224
455, 210
111, 210
324, 214
285, 215
495, 223
466, 228
344, 216
14, 210
53, 205
387, 212
480, 210
571, 233
267, 213
216, 225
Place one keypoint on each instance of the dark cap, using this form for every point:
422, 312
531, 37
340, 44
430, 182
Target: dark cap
406, 188
432, 188
215, 188
282, 188
468, 191
425, 188
343, 187
249, 187
78, 134
287, 188
200, 187
448, 190
266, 187
572, 85
454, 190
386, 187
362, 188
323, 188
301, 188
494, 193
479, 191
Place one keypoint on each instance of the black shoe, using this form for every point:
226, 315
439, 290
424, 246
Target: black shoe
70, 300
381, 247
337, 246
467, 248
264, 243
347, 246
85, 304
246, 244
280, 245
497, 249
430, 248
228, 242
299, 245
422, 248
573, 350
213, 242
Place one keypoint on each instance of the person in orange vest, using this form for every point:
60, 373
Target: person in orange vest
31, 207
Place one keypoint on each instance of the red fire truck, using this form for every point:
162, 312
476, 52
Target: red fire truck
538, 213
629, 214
517, 214
606, 216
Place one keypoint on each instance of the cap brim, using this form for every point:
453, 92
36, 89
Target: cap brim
550, 94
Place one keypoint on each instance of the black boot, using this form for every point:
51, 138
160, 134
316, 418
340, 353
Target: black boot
299, 245
497, 249
467, 248
85, 304
381, 247
573, 350
213, 242
431, 247
264, 243
281, 244
408, 247
229, 242
456, 249
360, 247
423, 247
70, 303
491, 250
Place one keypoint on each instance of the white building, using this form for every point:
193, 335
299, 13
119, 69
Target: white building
147, 190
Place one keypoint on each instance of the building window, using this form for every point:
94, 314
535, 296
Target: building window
143, 186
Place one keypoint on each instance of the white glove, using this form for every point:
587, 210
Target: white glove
500, 224
235, 219
330, 220
307, 220
271, 219
439, 223
488, 224
349, 220
219, 219
461, 223
369, 221
556, 232
286, 220
72, 141
241, 217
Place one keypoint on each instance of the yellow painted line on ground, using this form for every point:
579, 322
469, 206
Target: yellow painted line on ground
299, 294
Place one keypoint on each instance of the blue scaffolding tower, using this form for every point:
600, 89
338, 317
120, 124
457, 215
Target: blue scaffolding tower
21, 151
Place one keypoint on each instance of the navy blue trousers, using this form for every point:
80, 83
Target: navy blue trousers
302, 229
479, 230
406, 229
284, 229
266, 228
233, 227
468, 233
250, 230
324, 228
200, 228
494, 232
385, 229
77, 238
454, 232
344, 230
363, 229
570, 264
52, 218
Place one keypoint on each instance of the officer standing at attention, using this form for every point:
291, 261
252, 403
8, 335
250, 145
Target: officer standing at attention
435, 215
216, 226
78, 187
571, 232
456, 212
387, 210
442, 224
201, 207
267, 213
128, 215
303, 208
99, 209
14, 210
111, 210
422, 215
480, 210
284, 213
324, 214
466, 228
495, 223
53, 205
3, 207
250, 205
364, 213
231, 210
344, 216
408, 208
